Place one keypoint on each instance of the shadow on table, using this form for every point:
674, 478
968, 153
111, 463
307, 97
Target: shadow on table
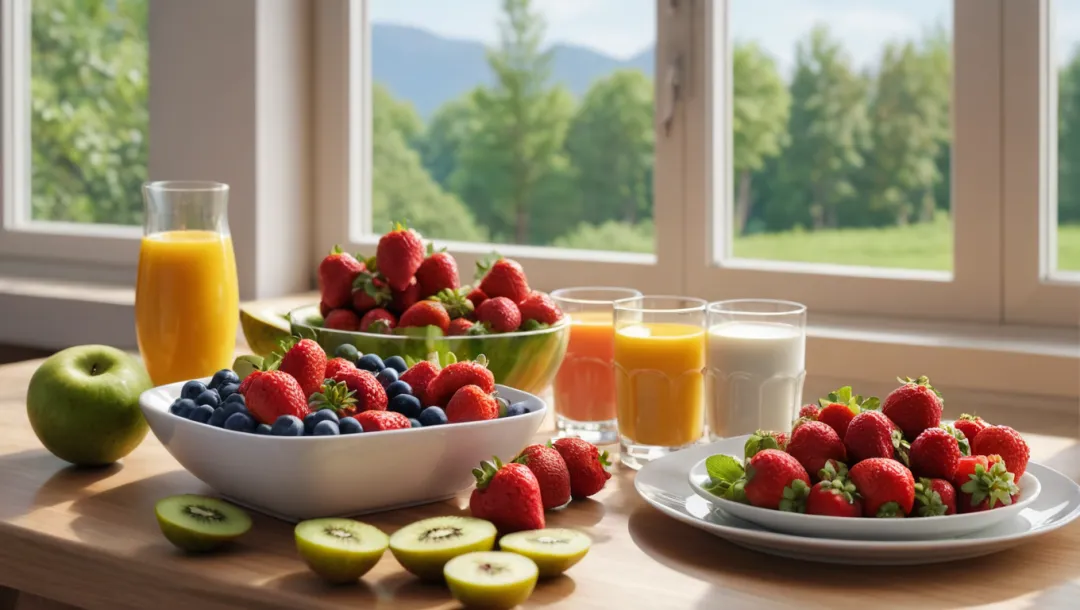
307, 584
20, 471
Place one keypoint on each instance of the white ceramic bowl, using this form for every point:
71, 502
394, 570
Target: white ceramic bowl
914, 528
297, 478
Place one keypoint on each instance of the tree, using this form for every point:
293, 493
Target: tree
611, 235
759, 117
1068, 196
449, 129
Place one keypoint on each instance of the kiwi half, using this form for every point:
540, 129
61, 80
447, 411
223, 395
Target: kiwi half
198, 524
424, 547
491, 579
340, 550
554, 550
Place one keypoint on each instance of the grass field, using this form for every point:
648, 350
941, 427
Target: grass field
924, 246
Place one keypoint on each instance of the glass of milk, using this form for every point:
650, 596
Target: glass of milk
755, 365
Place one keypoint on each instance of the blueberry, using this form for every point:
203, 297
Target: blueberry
370, 362
287, 425
397, 363
406, 404
312, 419
263, 430
237, 398
348, 352
349, 425
326, 428
415, 423
387, 376
228, 390
209, 397
504, 405
223, 413
182, 407
201, 413
240, 422
432, 416
518, 408
397, 387
192, 389
224, 377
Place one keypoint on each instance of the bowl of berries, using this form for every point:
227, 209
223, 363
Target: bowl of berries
306, 435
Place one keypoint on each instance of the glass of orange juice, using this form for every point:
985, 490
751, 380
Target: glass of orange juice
659, 375
585, 384
186, 296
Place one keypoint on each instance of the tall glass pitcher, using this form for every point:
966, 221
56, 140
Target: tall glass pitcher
186, 297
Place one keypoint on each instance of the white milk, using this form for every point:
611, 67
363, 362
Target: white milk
754, 378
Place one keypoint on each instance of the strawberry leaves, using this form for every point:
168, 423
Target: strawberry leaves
726, 478
961, 440
855, 402
794, 498
758, 441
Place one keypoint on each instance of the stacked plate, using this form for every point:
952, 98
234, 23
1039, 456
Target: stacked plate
673, 485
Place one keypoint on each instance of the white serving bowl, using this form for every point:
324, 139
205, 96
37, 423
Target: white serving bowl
912, 528
296, 478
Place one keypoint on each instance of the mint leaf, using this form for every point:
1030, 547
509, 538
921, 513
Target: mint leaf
724, 468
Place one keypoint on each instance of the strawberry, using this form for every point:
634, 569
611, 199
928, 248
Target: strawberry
914, 406
470, 403
336, 275
834, 495
499, 314
342, 319
379, 321
369, 292
887, 487
872, 435
246, 383
841, 406
971, 426
273, 394
539, 307
458, 375
476, 296
369, 393
419, 376
398, 255
505, 278
1006, 442
936, 453
934, 497
459, 327
814, 443
507, 495
776, 480
425, 313
438, 272
376, 421
402, 300
305, 360
324, 309
764, 439
586, 464
337, 364
333, 395
551, 473
965, 468
987, 487
455, 302
808, 412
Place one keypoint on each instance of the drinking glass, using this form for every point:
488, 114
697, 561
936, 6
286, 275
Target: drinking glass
585, 384
756, 365
659, 365
186, 297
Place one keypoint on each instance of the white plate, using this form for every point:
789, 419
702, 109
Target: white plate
663, 484
916, 528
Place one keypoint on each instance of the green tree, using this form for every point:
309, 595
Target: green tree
1068, 196
610, 235
452, 125
937, 55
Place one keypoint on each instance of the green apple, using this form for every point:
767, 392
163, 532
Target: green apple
83, 404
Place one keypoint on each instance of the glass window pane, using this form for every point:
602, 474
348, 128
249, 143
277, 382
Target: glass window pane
88, 106
1065, 62
515, 121
841, 132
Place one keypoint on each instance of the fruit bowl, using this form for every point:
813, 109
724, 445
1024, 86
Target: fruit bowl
527, 360
306, 477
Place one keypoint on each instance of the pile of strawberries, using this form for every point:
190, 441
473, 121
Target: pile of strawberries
408, 285
855, 457
515, 495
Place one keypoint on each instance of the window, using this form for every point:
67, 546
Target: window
1064, 64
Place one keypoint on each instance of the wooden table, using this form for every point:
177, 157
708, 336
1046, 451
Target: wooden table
89, 538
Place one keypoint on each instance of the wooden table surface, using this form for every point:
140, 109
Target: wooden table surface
89, 538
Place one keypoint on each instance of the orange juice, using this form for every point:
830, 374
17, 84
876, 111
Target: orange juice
186, 304
585, 385
659, 383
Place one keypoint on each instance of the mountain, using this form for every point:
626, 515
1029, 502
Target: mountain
429, 70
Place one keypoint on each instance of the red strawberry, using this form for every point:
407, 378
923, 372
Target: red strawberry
887, 487
273, 394
342, 319
764, 439
934, 497
834, 495
370, 395
470, 403
438, 272
333, 395
813, 443
398, 255
776, 480
937, 451
914, 406
965, 468
1006, 442
378, 320
306, 362
425, 313
337, 364
586, 464
808, 412
505, 278
499, 314
459, 326
336, 275
550, 471
246, 383
376, 421
539, 307
872, 435
369, 292
419, 376
324, 309
455, 302
477, 296
987, 488
508, 495
404, 299
841, 406
458, 375
971, 426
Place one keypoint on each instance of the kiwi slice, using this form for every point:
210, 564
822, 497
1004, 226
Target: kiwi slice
491, 579
340, 550
197, 523
554, 550
424, 547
